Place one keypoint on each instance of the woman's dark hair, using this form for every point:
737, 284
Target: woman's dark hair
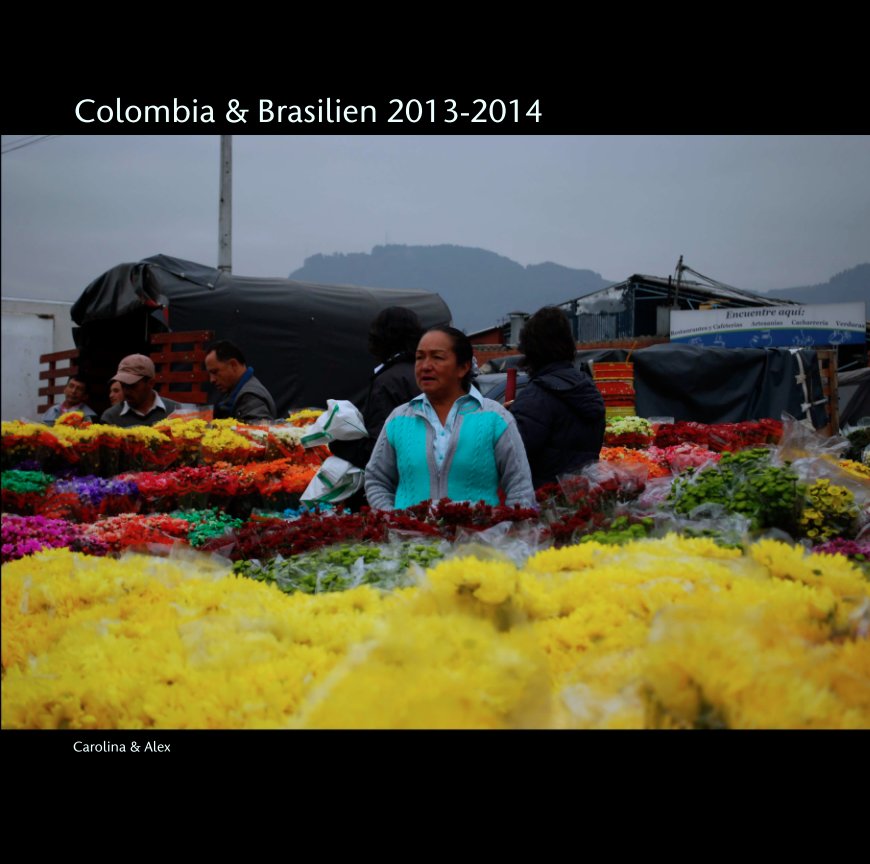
394, 329
462, 348
547, 338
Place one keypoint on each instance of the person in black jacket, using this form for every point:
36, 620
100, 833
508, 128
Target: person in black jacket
560, 413
393, 338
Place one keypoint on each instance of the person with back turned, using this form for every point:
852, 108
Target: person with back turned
560, 414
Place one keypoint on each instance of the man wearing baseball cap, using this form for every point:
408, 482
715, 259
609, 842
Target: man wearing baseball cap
142, 405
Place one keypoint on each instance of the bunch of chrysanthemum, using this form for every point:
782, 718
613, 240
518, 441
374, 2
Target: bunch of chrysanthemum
186, 488
829, 511
629, 455
304, 417
24, 491
856, 551
32, 442
720, 437
134, 531
26, 535
671, 633
222, 443
346, 565
271, 480
266, 538
165, 643
207, 524
856, 469
107, 450
747, 483
85, 499
186, 436
284, 442
628, 432
451, 517
586, 502
679, 457
73, 418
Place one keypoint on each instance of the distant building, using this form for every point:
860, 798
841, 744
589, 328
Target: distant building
507, 333
641, 306
637, 313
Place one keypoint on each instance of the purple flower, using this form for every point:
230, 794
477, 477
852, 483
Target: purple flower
24, 535
93, 490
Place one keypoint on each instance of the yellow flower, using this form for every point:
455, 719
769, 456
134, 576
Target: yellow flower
672, 633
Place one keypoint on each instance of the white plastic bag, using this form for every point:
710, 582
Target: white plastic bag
340, 422
336, 480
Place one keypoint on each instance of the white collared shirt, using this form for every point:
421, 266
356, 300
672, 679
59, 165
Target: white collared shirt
158, 403
473, 400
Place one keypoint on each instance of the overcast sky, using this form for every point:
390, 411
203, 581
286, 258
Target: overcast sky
759, 213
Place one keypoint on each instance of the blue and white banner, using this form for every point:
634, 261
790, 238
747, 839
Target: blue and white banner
772, 326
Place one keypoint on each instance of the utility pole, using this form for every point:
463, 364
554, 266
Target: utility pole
680, 269
225, 207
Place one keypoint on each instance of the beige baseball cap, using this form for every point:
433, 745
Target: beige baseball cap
133, 368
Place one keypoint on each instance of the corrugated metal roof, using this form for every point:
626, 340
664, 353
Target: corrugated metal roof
720, 291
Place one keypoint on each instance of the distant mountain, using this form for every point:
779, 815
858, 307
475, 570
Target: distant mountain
845, 287
480, 287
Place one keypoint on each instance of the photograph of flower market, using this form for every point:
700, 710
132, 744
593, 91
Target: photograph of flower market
324, 502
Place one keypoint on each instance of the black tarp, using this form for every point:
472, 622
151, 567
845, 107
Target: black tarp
307, 342
854, 390
719, 385
727, 385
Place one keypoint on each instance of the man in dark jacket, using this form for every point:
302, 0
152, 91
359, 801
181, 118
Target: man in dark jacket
246, 399
560, 414
142, 405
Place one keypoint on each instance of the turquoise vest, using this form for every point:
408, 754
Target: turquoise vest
469, 472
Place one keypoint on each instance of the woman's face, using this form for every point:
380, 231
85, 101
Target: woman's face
438, 374
116, 393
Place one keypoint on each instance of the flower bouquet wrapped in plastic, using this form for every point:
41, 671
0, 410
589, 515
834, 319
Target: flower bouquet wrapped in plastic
628, 432
186, 436
632, 456
24, 491
128, 532
34, 443
145, 449
86, 499
222, 442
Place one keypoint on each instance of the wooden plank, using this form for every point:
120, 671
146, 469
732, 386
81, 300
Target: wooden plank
828, 371
827, 359
59, 355
185, 396
194, 376
54, 374
185, 336
54, 390
195, 356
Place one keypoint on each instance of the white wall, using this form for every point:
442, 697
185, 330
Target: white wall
30, 328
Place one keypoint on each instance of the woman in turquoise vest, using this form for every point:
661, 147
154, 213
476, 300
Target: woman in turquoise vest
448, 442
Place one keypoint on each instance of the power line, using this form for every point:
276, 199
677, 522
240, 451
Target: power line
36, 140
19, 140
